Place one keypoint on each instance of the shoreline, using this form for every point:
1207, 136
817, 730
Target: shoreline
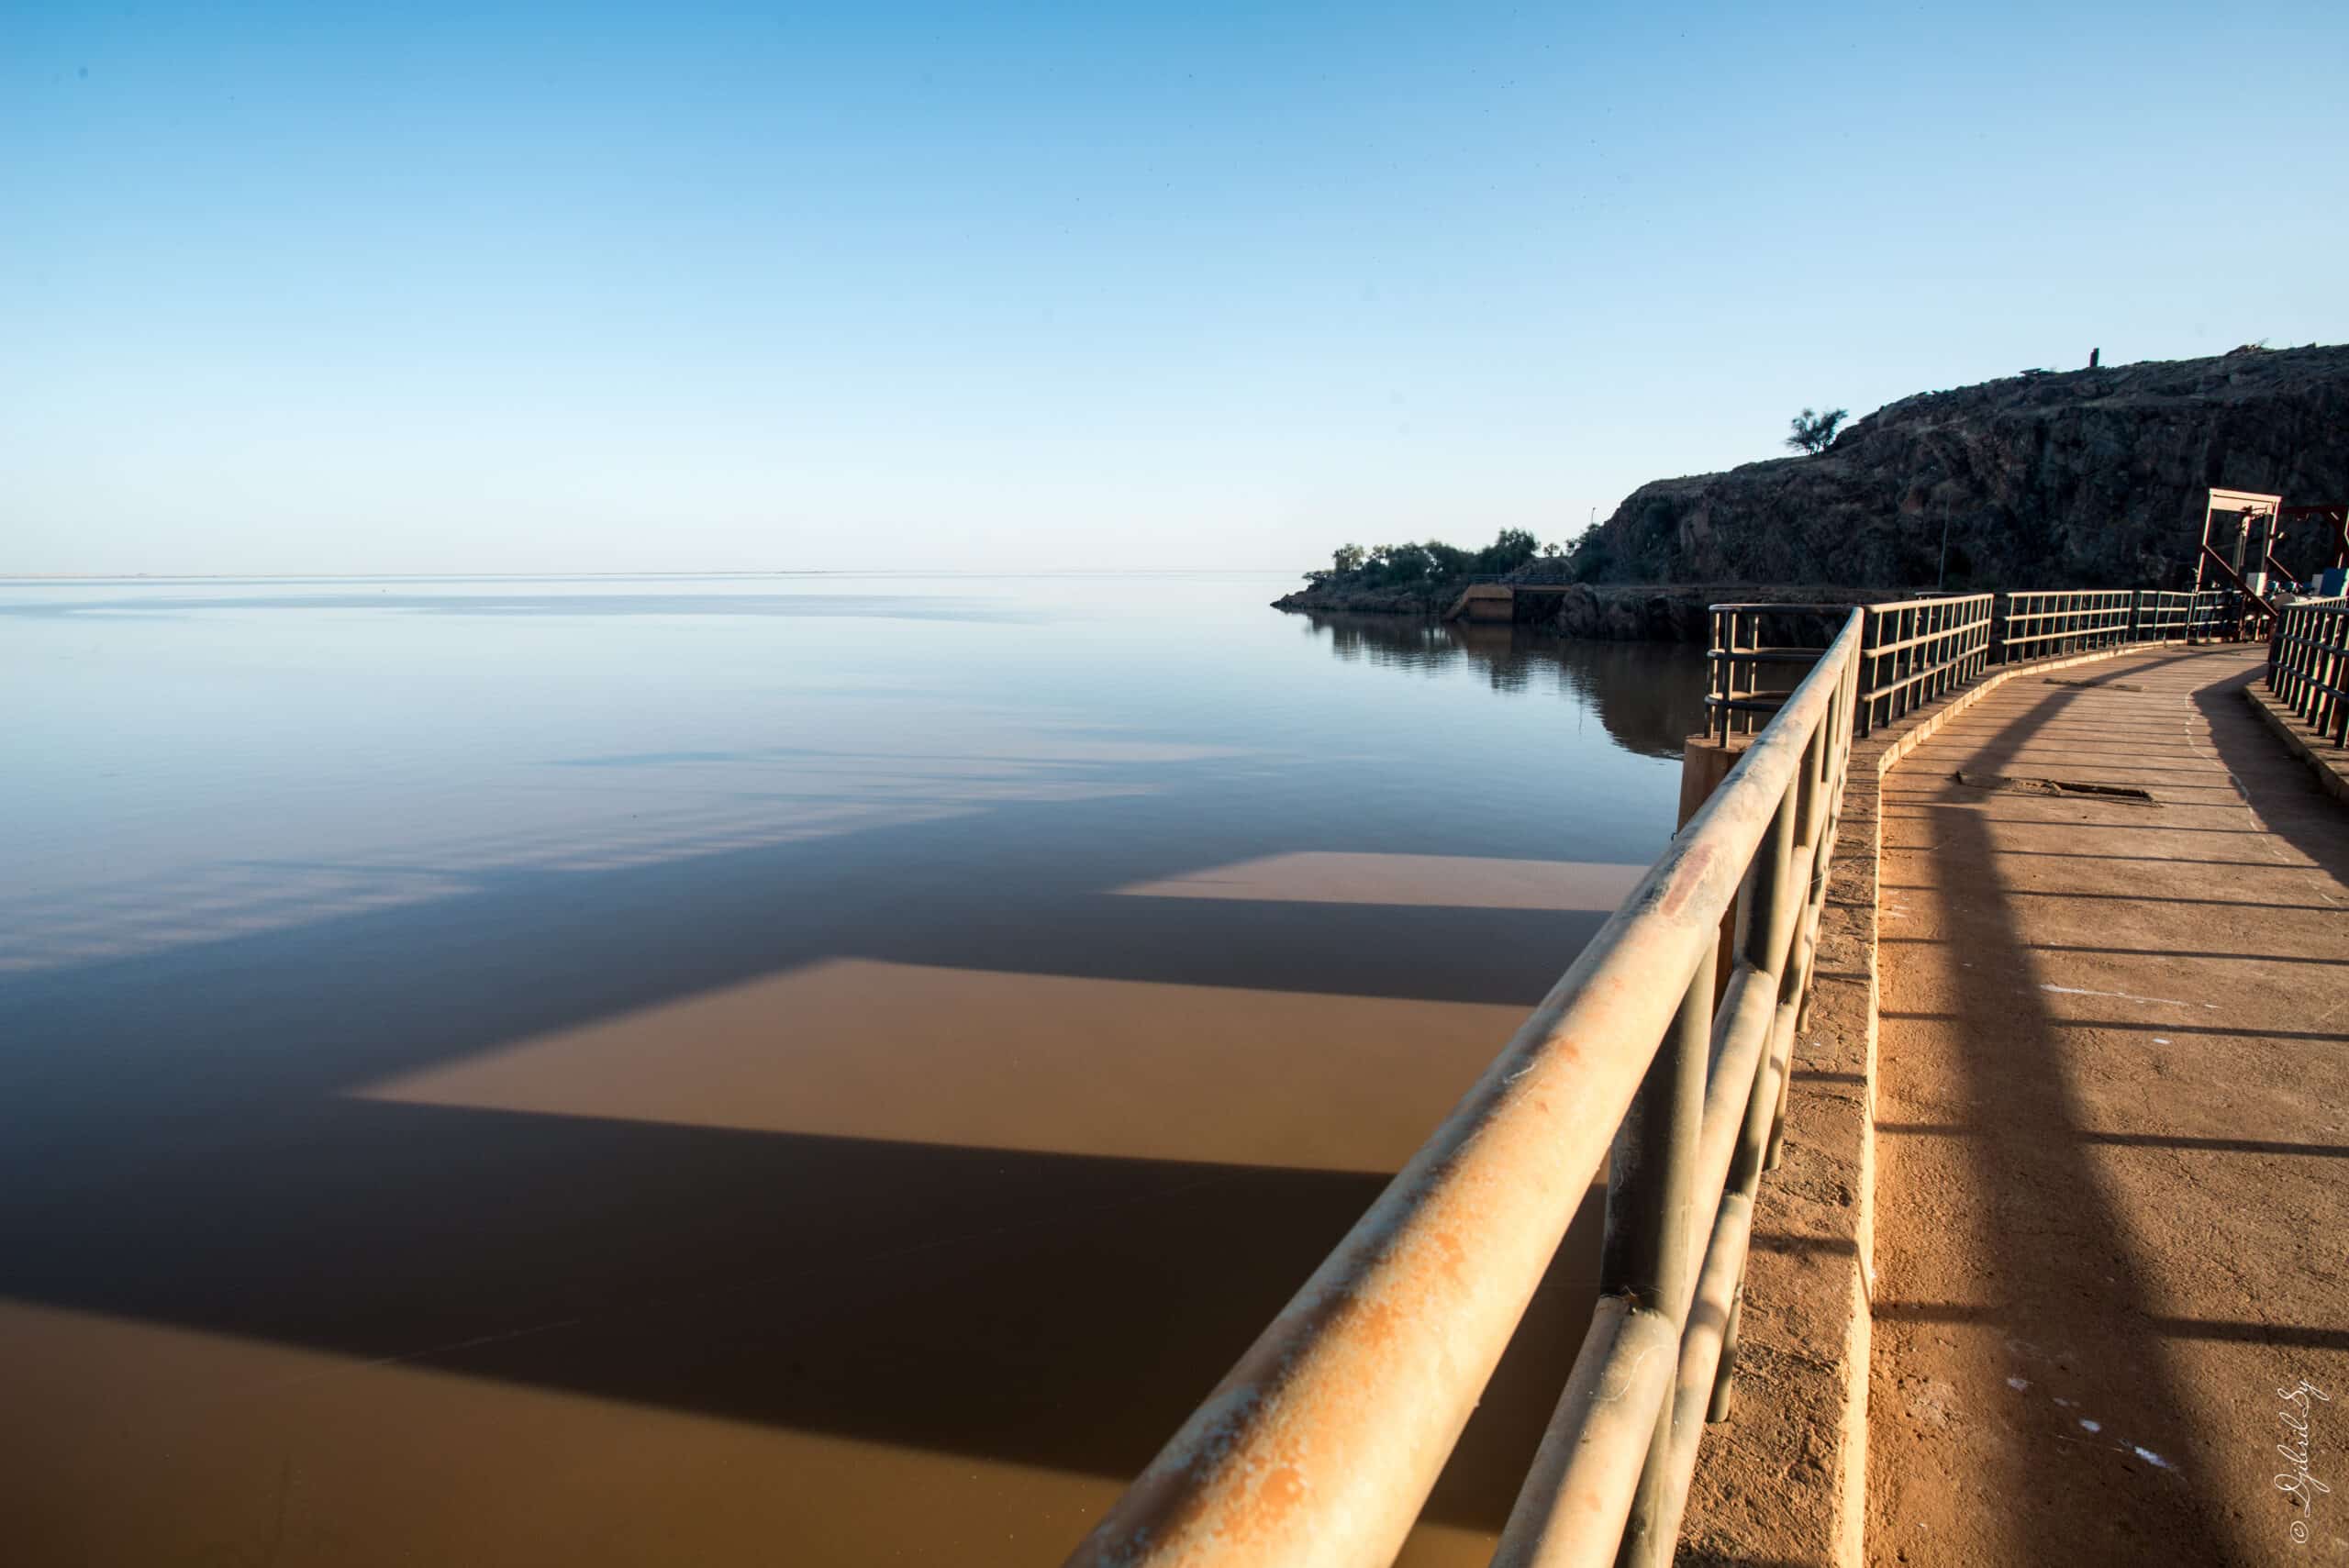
1608, 612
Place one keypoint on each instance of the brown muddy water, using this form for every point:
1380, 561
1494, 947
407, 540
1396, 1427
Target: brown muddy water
802, 1069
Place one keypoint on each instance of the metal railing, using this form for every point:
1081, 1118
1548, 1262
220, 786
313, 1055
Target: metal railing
2219, 616
1912, 651
1755, 662
1319, 1448
2051, 623
2307, 665
2163, 616
1919, 650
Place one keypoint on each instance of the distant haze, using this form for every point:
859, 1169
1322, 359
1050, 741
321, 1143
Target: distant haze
604, 288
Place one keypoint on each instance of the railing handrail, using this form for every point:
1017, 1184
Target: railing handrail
2308, 663
1319, 1449
1918, 649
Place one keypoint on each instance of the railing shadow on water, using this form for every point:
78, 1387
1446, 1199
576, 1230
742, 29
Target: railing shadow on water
1321, 1444
1652, 1057
289, 1190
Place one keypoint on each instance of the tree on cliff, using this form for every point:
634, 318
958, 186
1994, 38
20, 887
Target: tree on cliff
1814, 431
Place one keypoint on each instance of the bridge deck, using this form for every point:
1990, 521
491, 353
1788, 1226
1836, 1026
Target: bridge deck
2111, 1122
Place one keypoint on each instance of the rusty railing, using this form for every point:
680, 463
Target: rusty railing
1319, 1448
2307, 665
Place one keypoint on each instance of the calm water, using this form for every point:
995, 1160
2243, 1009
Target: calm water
819, 1070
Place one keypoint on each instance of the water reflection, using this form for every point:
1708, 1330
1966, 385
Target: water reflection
1650, 697
563, 1082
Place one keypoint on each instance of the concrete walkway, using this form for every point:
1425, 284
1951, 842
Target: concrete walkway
2112, 1196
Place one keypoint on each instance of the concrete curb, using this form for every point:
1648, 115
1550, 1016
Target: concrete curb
2328, 762
1783, 1480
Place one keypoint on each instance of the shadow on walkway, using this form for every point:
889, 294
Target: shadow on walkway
2039, 1394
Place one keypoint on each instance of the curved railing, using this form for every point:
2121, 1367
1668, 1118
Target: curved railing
1917, 650
2307, 665
1321, 1446
1911, 652
2051, 623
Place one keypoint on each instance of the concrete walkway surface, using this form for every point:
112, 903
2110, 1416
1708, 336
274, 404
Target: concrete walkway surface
2112, 1196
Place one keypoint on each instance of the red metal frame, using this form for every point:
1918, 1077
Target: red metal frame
2253, 507
2329, 522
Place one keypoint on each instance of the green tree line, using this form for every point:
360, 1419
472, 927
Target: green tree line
1400, 565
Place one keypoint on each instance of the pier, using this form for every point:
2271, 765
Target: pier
1964, 1078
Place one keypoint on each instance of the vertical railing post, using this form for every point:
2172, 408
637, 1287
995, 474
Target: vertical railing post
1734, 676
1652, 1222
2308, 656
1864, 710
2339, 620
1912, 617
1723, 674
1762, 934
2310, 660
1775, 913
2330, 634
2299, 667
2318, 637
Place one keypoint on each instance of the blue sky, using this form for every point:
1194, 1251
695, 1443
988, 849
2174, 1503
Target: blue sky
484, 287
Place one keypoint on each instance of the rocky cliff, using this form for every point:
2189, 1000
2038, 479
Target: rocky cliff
2044, 480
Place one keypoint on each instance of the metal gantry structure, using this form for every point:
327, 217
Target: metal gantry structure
2251, 531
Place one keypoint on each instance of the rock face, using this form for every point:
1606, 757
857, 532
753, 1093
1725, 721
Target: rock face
2050, 480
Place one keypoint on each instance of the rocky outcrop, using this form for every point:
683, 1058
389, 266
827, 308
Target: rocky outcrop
2043, 480
1610, 613
1327, 593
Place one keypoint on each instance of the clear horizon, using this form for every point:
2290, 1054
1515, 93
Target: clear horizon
612, 290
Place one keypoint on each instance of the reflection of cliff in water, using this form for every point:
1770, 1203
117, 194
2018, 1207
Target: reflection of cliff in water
1648, 695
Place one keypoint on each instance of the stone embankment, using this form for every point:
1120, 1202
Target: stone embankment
1608, 613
